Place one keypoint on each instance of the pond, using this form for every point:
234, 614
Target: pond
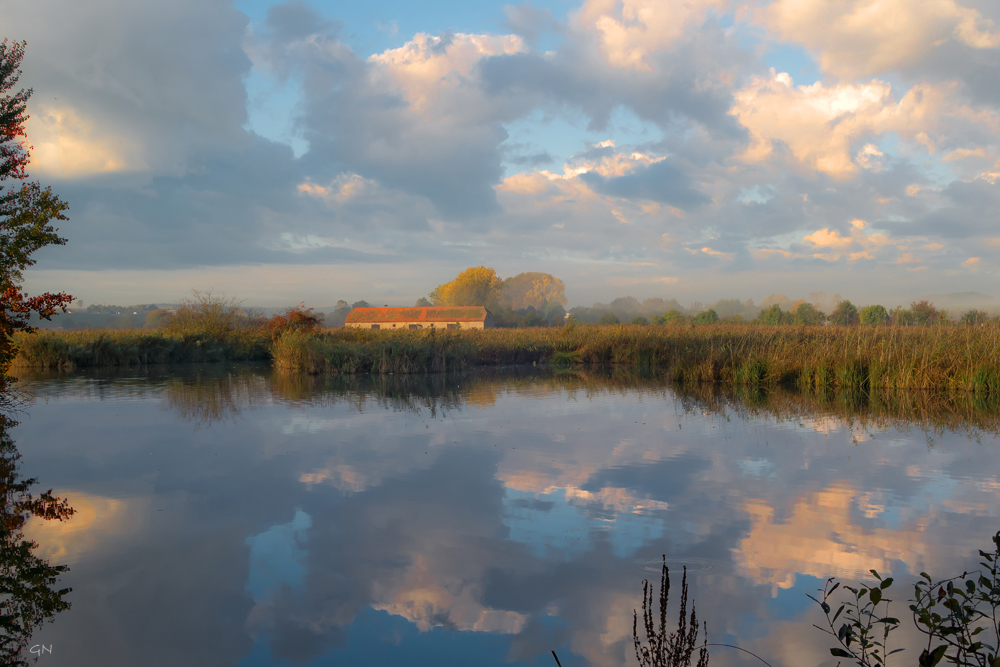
231, 516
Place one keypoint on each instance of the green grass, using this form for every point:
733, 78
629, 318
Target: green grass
816, 359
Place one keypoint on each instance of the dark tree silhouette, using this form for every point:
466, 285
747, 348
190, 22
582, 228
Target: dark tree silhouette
28, 593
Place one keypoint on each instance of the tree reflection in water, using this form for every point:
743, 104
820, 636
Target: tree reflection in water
28, 593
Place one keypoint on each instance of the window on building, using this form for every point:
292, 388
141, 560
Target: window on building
375, 326
415, 326
453, 326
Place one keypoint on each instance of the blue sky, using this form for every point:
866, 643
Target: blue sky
311, 151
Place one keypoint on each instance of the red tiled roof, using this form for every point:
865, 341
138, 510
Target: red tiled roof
430, 314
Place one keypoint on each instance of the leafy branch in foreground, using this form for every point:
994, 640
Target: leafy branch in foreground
955, 613
858, 635
958, 615
662, 649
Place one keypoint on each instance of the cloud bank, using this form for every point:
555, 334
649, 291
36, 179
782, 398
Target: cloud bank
812, 143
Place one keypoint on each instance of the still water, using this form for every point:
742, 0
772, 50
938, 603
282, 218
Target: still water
228, 516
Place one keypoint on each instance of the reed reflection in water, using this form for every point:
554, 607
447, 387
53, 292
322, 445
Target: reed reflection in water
492, 516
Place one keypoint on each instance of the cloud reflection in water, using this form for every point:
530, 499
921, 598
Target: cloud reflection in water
397, 520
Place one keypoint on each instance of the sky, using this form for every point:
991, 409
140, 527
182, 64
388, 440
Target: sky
692, 149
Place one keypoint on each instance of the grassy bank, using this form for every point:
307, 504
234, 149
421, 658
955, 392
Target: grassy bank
131, 347
858, 358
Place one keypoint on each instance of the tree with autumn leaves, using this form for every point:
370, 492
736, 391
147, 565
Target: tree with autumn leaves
29, 596
481, 286
26, 213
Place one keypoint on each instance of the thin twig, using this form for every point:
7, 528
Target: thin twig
738, 648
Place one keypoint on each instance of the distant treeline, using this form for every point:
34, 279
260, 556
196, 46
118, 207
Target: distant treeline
775, 310
107, 316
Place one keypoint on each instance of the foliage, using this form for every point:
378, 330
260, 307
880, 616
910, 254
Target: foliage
529, 317
805, 313
863, 635
669, 317
639, 320
662, 649
219, 322
958, 616
156, 319
901, 317
873, 316
706, 317
476, 286
423, 303
534, 289
608, 318
297, 318
925, 313
974, 317
773, 316
28, 597
845, 314
26, 210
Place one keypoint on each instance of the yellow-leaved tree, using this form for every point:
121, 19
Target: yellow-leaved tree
533, 289
476, 286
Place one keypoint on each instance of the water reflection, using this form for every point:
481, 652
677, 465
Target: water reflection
30, 594
485, 518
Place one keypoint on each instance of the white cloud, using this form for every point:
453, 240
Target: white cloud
858, 38
819, 124
629, 31
427, 67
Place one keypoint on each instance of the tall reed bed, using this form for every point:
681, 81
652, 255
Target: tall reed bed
966, 358
815, 358
128, 347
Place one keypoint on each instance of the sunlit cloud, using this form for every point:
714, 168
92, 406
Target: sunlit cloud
68, 145
96, 521
856, 38
629, 32
427, 67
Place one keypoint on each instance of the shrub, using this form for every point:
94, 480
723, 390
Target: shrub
609, 318
974, 317
924, 312
772, 315
298, 318
669, 317
845, 314
873, 316
957, 615
806, 314
222, 322
706, 317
